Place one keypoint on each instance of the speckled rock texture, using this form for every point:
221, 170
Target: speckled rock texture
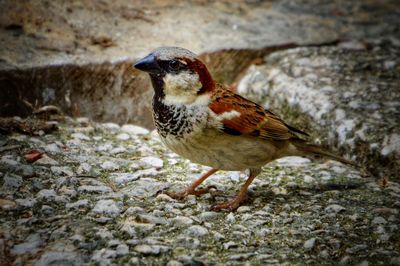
347, 96
78, 54
94, 197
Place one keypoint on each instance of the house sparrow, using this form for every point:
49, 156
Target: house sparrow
209, 124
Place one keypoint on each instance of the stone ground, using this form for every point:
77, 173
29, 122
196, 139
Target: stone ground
90, 194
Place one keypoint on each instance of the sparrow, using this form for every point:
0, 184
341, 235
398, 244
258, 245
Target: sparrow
209, 124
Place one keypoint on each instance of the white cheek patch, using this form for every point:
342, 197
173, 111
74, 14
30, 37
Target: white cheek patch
181, 88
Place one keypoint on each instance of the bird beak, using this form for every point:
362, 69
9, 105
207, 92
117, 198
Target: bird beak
148, 64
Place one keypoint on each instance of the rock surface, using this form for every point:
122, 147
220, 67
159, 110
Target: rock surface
349, 98
78, 54
337, 217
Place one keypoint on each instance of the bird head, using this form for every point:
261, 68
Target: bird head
178, 76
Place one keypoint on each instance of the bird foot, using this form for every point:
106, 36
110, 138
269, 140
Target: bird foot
226, 206
189, 191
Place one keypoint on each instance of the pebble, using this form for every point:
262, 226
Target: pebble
196, 231
346, 260
52, 148
118, 150
107, 207
107, 165
77, 204
12, 181
123, 136
357, 248
111, 126
148, 218
151, 161
26, 202
46, 194
243, 209
208, 216
84, 168
379, 220
310, 243
32, 245
134, 210
174, 263
334, 208
103, 256
7, 205
94, 189
60, 258
80, 136
46, 160
308, 179
229, 245
47, 210
62, 170
122, 249
134, 130
144, 188
122, 178
182, 221
230, 218
151, 249
12, 166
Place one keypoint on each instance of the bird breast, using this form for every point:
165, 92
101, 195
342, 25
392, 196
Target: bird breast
194, 133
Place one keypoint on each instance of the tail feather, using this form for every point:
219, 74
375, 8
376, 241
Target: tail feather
312, 149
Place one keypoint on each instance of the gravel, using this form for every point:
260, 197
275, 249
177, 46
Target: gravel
80, 212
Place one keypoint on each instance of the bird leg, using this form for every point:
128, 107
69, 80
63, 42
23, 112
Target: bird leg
240, 197
191, 190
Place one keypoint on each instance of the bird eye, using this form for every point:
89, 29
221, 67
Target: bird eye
174, 65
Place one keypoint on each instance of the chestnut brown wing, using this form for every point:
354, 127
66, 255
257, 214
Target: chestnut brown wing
254, 120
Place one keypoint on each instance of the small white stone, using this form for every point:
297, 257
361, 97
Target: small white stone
310, 243
123, 136
243, 209
111, 126
182, 221
308, 179
62, 170
84, 168
118, 150
334, 208
52, 148
379, 220
107, 207
80, 136
46, 160
122, 249
94, 189
77, 204
109, 166
135, 130
47, 194
230, 218
152, 162
196, 231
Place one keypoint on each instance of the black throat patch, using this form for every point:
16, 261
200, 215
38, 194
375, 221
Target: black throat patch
175, 120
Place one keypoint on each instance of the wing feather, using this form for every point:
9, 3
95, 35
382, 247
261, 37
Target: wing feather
253, 120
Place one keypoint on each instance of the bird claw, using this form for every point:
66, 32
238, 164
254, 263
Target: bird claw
226, 206
187, 192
